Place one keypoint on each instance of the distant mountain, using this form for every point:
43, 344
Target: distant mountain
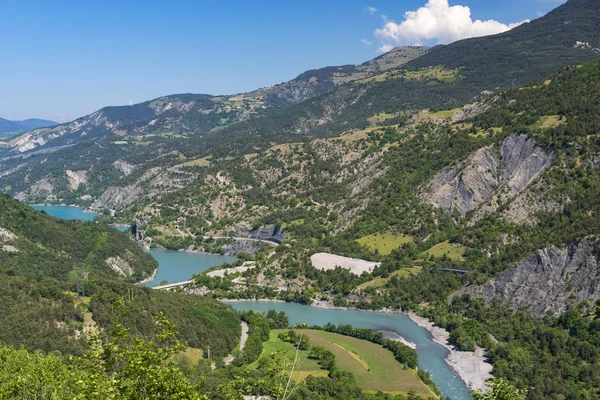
319, 103
199, 114
36, 123
10, 126
25, 125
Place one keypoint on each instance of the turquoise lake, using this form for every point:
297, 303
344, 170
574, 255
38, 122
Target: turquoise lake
173, 266
431, 354
177, 266
67, 212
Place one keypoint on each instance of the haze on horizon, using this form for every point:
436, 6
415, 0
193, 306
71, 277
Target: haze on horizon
69, 58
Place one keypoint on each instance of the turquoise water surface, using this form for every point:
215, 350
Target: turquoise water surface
179, 266
67, 212
431, 354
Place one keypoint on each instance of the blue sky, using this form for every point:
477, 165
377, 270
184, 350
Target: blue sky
64, 59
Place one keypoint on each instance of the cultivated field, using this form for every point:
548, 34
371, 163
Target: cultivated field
375, 368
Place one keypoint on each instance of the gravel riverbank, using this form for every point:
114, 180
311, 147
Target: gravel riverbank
472, 367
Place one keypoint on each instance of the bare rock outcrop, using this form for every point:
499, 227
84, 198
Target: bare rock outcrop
139, 228
124, 167
270, 232
522, 162
76, 178
116, 197
469, 111
489, 176
465, 186
549, 280
120, 266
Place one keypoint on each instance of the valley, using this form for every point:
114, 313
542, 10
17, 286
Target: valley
444, 196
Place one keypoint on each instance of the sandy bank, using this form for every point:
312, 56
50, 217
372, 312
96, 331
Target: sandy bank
471, 367
221, 272
393, 335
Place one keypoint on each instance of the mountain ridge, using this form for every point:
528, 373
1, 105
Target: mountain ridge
189, 113
7, 126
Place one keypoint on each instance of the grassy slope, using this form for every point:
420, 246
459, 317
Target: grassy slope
451, 250
375, 368
384, 243
402, 273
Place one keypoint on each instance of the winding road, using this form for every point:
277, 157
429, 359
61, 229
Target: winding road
229, 359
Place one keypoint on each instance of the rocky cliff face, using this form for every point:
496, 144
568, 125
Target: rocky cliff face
489, 175
549, 280
271, 232
468, 184
116, 197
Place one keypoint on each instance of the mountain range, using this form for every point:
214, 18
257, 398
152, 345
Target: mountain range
26, 125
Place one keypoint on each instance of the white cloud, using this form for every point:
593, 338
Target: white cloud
130, 102
385, 48
365, 42
437, 22
371, 10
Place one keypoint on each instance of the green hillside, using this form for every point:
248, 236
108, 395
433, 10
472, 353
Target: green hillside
446, 77
37, 245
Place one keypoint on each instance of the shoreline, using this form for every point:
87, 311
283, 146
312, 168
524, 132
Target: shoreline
149, 279
147, 249
471, 366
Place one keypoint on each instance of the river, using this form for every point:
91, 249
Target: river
431, 354
173, 266
176, 266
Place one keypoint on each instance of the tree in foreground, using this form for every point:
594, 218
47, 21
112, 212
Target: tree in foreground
500, 389
117, 368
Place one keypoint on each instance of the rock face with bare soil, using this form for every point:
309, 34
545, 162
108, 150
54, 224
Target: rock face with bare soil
549, 280
115, 197
490, 175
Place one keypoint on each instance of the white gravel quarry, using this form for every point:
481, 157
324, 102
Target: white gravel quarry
326, 261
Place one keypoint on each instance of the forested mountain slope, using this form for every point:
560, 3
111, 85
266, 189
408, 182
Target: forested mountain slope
171, 131
199, 114
40, 257
45, 314
37, 245
483, 218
